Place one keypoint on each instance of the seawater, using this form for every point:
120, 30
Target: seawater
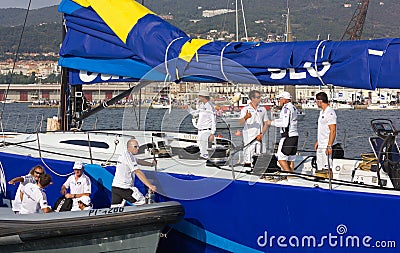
353, 128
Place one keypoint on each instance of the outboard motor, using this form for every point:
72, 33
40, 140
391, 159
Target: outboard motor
388, 154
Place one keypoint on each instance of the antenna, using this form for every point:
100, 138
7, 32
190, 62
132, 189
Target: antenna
289, 37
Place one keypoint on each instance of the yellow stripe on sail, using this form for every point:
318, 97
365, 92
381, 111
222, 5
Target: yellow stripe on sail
121, 16
83, 3
190, 48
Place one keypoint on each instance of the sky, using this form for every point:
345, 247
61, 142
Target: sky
35, 4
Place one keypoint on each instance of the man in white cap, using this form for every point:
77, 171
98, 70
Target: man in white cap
287, 121
255, 120
79, 185
84, 203
206, 124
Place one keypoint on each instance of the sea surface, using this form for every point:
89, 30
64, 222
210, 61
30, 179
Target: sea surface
354, 127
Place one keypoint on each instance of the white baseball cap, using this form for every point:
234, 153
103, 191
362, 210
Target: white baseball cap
285, 95
85, 200
78, 165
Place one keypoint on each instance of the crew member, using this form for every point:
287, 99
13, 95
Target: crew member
206, 124
255, 120
287, 121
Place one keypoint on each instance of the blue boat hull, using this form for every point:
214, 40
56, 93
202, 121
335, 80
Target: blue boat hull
260, 217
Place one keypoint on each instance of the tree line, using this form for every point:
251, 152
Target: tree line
20, 78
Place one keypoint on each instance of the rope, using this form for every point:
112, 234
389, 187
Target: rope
45, 164
244, 21
116, 142
53, 171
14, 63
368, 160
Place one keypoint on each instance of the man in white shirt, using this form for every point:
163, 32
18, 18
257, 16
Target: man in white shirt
255, 120
32, 177
206, 123
79, 185
287, 121
34, 198
326, 133
123, 183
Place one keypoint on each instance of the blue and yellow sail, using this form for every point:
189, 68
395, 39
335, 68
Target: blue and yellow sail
124, 38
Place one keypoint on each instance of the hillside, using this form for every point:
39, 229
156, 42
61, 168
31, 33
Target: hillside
309, 19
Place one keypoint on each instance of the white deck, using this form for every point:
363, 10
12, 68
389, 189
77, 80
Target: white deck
60, 147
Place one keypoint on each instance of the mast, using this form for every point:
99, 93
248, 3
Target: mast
237, 21
289, 35
71, 100
64, 94
289, 38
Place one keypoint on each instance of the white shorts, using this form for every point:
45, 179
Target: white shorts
281, 156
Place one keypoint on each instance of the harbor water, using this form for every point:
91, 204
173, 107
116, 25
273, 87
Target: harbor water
353, 125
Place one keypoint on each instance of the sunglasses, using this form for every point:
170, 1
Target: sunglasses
39, 173
258, 97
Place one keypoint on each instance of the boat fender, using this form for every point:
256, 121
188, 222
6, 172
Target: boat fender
10, 239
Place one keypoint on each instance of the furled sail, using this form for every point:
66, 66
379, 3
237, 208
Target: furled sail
123, 39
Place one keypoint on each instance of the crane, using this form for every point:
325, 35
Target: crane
355, 27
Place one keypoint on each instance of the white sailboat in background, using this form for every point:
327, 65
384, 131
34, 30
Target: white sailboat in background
383, 101
160, 105
8, 101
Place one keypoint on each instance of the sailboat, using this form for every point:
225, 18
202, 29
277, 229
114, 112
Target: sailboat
8, 101
226, 208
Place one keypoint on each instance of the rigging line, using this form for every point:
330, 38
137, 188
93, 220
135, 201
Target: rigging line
116, 142
244, 22
44, 163
13, 68
225, 16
